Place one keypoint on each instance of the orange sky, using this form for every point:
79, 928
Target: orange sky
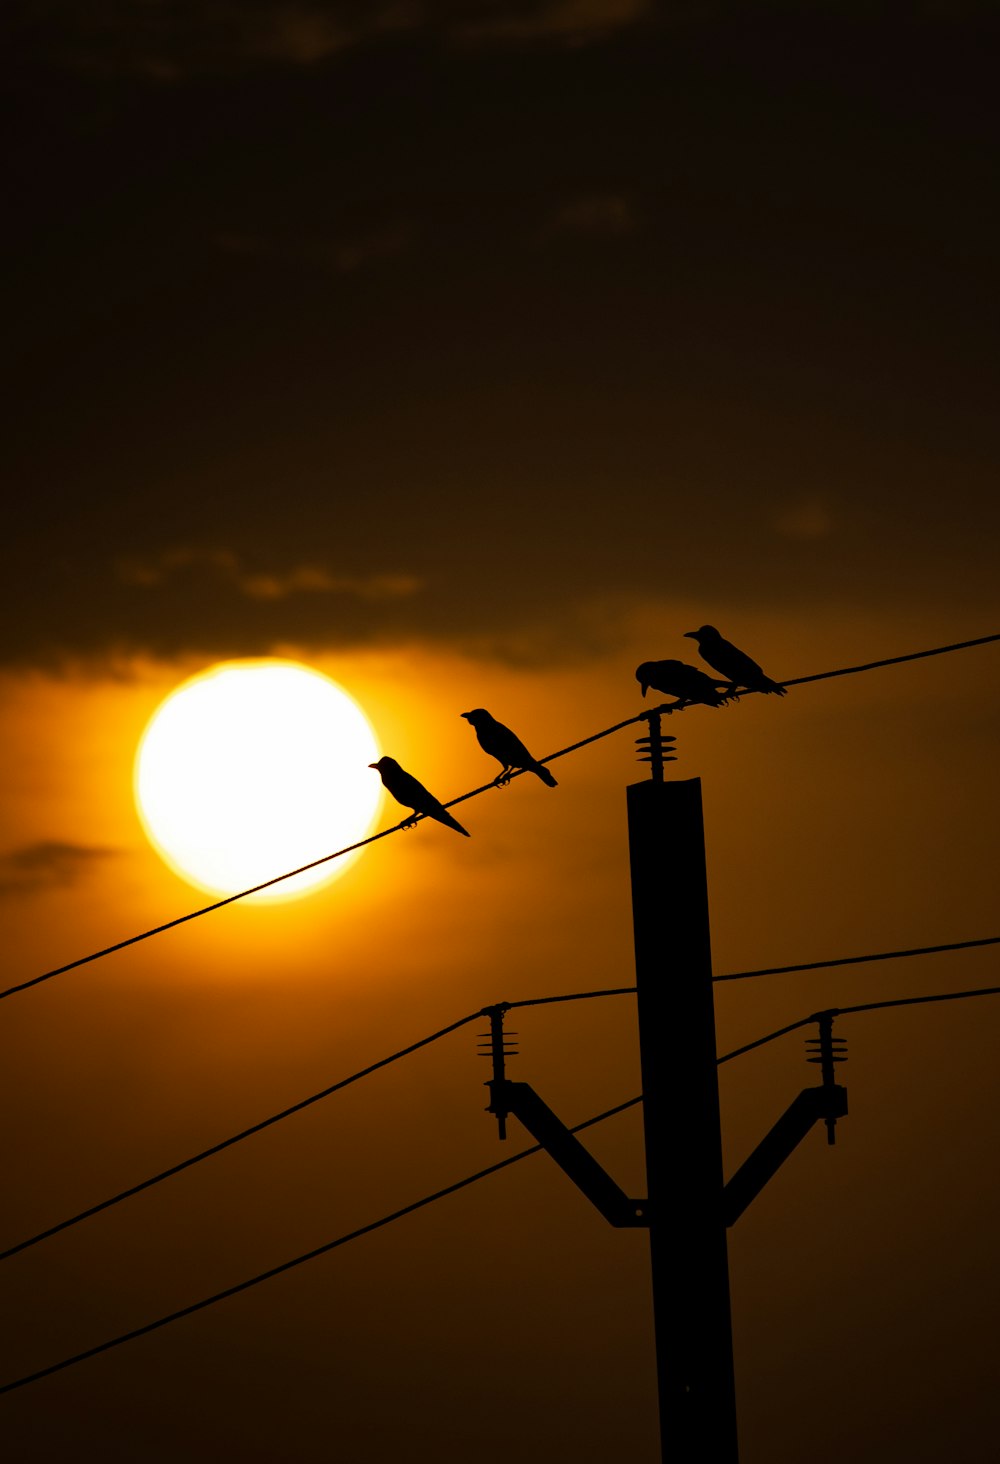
838, 820
471, 351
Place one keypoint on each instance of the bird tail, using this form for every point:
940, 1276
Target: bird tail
445, 817
545, 775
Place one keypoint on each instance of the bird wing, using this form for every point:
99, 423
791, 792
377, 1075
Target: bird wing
694, 685
510, 747
406, 789
413, 792
734, 663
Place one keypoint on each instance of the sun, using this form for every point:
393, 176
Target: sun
253, 768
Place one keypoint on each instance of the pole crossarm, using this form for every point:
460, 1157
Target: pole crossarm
573, 1159
812, 1105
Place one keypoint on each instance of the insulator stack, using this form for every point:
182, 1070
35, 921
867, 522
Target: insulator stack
655, 749
498, 1045
827, 1051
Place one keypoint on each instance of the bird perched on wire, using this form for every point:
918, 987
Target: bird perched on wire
732, 662
677, 678
411, 793
508, 749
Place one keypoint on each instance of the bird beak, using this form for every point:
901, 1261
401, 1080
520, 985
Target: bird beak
466, 715
645, 686
373, 765
690, 635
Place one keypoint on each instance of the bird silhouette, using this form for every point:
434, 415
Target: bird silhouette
678, 679
732, 662
411, 793
508, 749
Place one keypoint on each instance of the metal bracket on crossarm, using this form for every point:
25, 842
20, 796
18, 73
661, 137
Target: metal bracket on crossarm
521, 1100
813, 1105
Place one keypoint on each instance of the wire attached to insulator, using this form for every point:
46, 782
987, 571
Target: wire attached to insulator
498, 1045
827, 1051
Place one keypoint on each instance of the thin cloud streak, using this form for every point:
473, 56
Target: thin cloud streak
48, 864
163, 45
562, 20
226, 566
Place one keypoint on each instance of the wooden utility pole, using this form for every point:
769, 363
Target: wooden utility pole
677, 1049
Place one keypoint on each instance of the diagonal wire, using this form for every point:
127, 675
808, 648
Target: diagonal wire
191, 915
958, 945
762, 1041
571, 996
864, 1006
452, 1189
320, 1250
463, 1021
901, 1001
246, 1133
982, 640
462, 798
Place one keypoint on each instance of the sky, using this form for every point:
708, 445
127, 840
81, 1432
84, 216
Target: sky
471, 353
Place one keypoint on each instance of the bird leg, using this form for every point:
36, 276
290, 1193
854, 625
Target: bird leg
502, 779
408, 823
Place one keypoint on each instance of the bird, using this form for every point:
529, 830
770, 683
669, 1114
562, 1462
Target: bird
732, 662
411, 793
676, 678
508, 749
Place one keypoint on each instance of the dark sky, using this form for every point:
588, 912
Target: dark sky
471, 353
330, 321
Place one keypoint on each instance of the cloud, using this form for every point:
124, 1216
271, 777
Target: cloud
163, 43
49, 864
570, 20
304, 34
301, 34
166, 42
301, 579
609, 214
308, 580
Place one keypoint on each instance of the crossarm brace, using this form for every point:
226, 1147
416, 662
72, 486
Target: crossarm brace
811, 1106
565, 1148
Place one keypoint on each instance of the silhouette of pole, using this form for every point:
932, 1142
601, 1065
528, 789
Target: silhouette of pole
683, 1135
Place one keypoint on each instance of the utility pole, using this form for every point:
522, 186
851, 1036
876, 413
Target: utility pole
683, 1134
688, 1207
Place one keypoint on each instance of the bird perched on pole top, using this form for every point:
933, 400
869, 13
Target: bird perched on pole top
411, 793
677, 678
508, 749
723, 656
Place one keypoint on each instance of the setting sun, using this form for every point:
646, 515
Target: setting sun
253, 768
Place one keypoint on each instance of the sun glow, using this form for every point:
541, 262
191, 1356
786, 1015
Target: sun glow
253, 768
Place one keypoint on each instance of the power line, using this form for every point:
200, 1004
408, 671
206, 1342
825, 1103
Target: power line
321, 1250
233, 1139
796, 681
899, 1001
982, 640
454, 1027
761, 1041
462, 1183
959, 945
772, 971
865, 1006
191, 915
571, 996
462, 798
